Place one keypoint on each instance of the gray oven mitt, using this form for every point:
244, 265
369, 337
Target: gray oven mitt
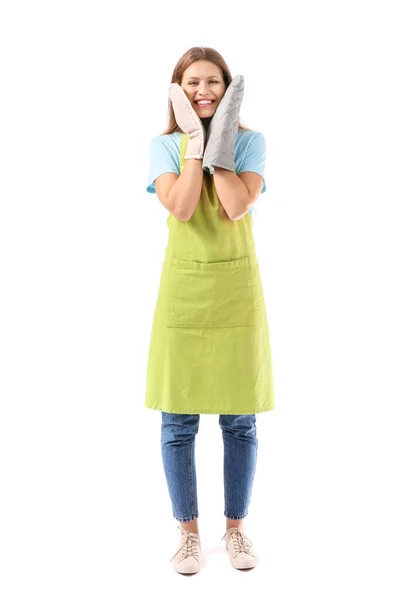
223, 128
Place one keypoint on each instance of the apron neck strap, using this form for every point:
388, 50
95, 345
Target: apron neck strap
184, 142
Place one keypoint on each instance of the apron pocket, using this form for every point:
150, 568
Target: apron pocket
210, 294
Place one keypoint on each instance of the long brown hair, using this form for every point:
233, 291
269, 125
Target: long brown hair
189, 57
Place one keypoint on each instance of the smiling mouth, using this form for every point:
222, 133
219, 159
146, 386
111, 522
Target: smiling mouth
205, 106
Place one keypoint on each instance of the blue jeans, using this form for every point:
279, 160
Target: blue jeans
178, 433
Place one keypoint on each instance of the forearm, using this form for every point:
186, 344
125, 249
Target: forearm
184, 194
232, 192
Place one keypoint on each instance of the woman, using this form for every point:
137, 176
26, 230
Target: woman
209, 349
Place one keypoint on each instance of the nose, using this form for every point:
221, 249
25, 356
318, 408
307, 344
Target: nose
203, 89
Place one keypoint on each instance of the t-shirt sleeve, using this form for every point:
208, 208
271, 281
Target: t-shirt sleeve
163, 159
254, 157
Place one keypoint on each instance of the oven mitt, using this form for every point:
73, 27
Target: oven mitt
223, 128
188, 121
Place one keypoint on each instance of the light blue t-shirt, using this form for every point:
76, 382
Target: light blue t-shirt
249, 155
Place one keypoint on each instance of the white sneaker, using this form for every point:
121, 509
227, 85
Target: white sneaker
188, 558
241, 551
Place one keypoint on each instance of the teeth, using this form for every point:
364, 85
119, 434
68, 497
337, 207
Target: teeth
204, 103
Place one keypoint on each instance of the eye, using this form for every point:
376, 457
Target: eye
213, 81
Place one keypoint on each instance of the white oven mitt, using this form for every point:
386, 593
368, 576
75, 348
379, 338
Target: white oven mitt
188, 121
223, 128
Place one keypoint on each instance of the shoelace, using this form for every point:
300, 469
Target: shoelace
241, 543
189, 545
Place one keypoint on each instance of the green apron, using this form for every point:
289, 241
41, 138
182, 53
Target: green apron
210, 348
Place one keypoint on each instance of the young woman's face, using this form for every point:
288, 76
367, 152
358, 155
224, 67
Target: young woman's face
203, 81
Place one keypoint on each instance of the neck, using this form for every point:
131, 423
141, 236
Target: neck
206, 122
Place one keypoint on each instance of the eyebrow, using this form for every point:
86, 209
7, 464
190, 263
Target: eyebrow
209, 77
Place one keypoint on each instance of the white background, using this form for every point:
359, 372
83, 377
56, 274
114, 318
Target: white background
85, 511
